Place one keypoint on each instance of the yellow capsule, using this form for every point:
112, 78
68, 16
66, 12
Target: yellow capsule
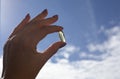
62, 36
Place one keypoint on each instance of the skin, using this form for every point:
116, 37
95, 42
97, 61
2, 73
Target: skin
21, 60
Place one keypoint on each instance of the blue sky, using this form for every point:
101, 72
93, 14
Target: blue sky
92, 32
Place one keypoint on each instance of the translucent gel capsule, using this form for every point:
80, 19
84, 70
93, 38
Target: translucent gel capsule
62, 36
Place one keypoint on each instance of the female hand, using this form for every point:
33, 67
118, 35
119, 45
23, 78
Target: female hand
20, 59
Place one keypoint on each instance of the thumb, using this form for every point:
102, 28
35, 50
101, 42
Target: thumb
53, 49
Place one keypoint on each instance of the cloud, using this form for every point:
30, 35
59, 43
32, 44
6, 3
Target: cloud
68, 50
108, 68
113, 42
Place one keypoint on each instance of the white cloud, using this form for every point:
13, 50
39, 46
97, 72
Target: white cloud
68, 50
90, 69
87, 69
112, 43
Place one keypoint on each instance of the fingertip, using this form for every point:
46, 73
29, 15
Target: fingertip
52, 29
45, 11
27, 16
50, 20
62, 44
56, 17
61, 28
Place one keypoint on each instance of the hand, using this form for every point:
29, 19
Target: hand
21, 60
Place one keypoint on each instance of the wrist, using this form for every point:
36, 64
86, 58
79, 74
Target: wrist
17, 77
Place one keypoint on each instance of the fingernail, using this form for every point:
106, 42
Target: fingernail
55, 16
45, 11
61, 27
28, 15
63, 44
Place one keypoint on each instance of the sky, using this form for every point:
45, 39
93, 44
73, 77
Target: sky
92, 31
